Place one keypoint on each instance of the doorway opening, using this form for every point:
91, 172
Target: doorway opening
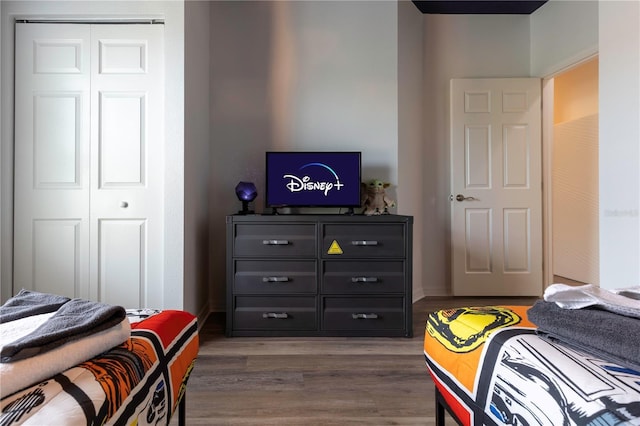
570, 135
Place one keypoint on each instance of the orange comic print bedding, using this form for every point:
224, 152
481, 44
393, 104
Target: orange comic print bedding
493, 369
137, 383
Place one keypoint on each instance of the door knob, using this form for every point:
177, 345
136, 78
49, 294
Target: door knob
461, 197
124, 204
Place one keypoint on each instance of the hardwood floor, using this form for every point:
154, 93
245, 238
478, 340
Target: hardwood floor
316, 381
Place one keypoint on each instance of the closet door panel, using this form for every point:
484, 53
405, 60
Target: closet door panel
122, 248
57, 255
122, 155
127, 146
51, 216
56, 145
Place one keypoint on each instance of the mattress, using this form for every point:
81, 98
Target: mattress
491, 368
139, 382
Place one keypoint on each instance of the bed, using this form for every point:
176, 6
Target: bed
141, 381
491, 366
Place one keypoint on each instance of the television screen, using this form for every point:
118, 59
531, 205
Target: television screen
312, 179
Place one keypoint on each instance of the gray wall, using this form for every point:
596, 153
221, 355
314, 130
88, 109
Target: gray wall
310, 75
619, 97
457, 46
197, 143
563, 33
411, 131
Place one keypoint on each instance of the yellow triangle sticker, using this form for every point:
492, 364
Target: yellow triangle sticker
334, 248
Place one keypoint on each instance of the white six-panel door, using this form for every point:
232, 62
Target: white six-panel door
496, 206
88, 161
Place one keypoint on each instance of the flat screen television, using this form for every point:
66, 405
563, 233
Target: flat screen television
313, 179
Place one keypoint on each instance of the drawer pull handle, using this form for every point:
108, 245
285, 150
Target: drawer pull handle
275, 315
275, 279
275, 242
364, 243
364, 279
364, 316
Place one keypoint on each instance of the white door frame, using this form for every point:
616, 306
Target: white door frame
547, 180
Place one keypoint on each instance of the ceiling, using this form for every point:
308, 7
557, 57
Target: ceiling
482, 7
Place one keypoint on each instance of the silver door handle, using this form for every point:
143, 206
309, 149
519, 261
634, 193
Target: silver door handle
461, 197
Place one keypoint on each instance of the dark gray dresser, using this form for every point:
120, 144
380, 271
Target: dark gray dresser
319, 275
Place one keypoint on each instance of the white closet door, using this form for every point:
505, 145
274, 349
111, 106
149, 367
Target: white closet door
107, 238
127, 140
52, 115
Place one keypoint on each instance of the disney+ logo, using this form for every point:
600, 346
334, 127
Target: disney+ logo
297, 184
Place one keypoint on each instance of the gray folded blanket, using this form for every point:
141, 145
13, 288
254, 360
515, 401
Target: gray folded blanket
607, 335
72, 320
27, 303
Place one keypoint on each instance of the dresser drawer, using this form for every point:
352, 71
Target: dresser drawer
363, 240
274, 276
362, 313
275, 313
275, 240
363, 276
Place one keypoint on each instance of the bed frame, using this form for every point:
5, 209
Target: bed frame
441, 407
